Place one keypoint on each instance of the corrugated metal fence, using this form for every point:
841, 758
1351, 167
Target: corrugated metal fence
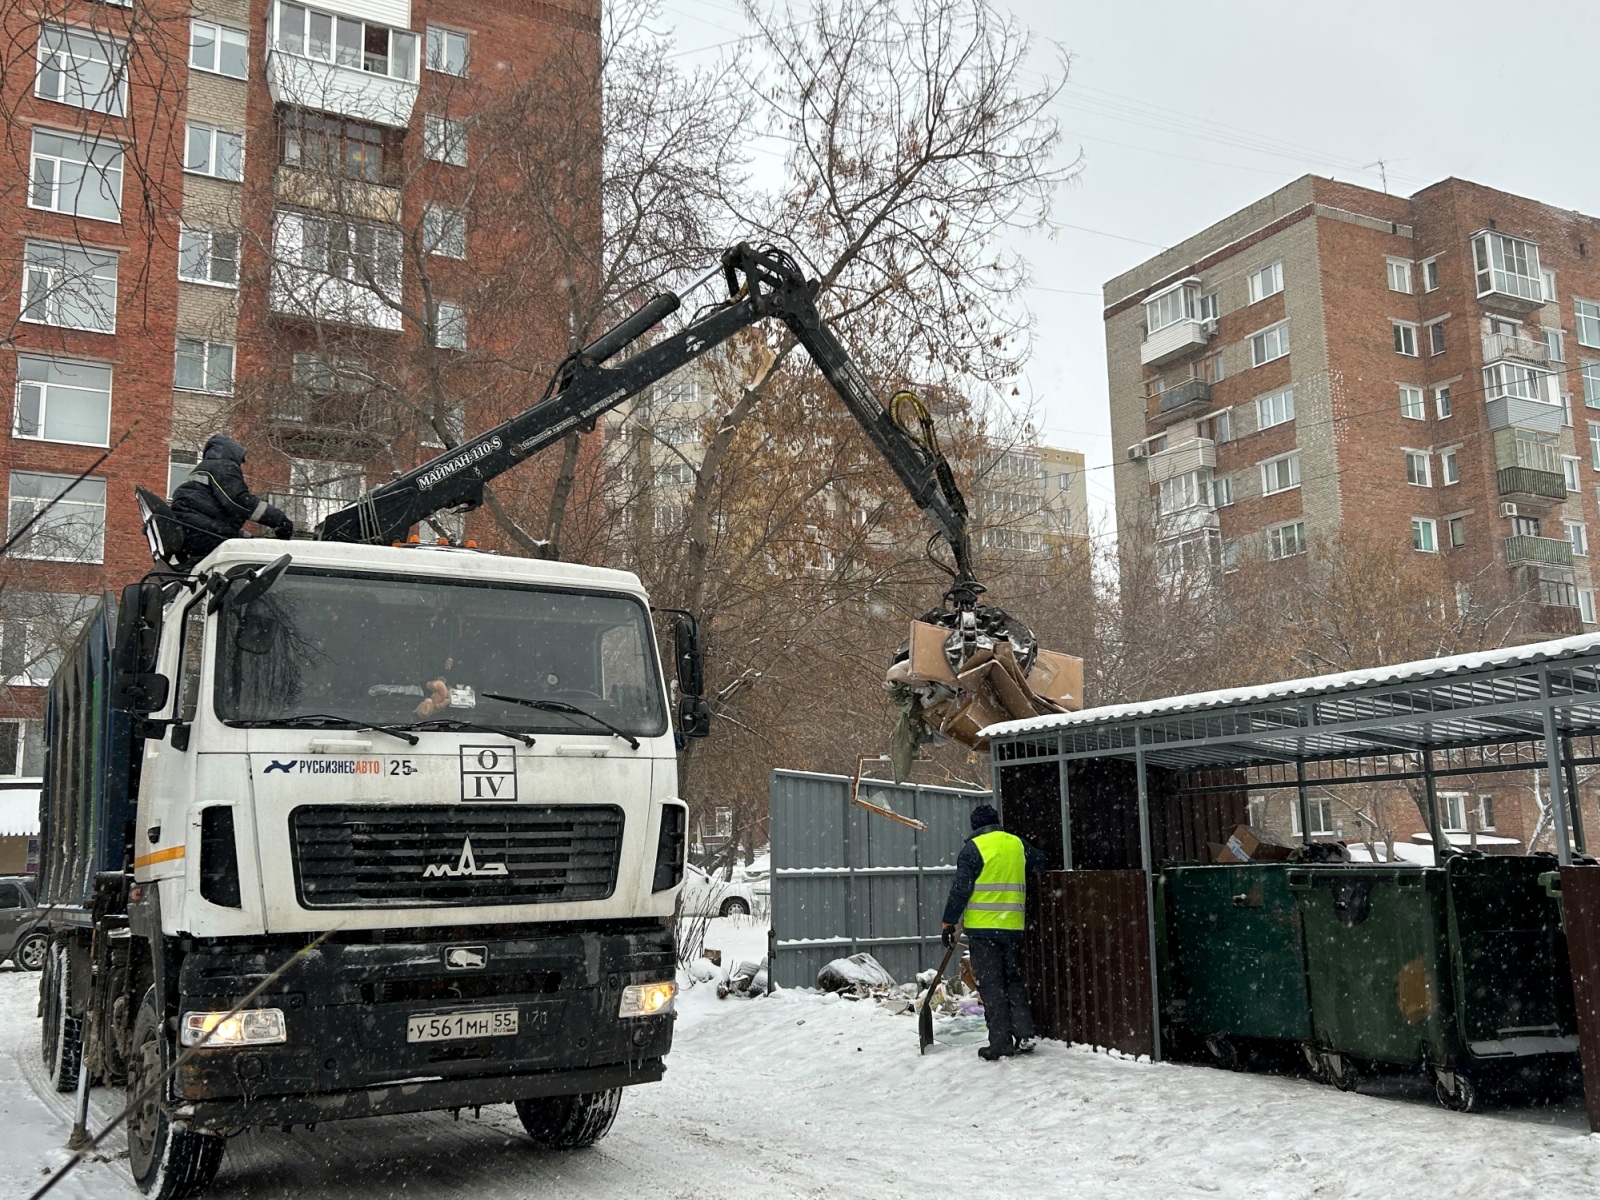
844, 879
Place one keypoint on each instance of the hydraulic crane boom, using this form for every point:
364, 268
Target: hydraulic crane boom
761, 283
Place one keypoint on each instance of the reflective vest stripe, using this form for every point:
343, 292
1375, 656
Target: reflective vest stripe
1001, 886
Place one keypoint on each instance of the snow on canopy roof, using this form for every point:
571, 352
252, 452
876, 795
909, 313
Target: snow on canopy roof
19, 812
1420, 672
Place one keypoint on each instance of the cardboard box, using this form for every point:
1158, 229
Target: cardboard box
928, 663
998, 688
1221, 853
1248, 844
1057, 678
978, 712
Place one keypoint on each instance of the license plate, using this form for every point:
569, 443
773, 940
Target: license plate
451, 1027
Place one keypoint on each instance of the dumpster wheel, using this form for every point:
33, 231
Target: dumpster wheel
1341, 1071
1223, 1052
1316, 1065
1455, 1090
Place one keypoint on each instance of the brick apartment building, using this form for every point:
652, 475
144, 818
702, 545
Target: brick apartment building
270, 219
1332, 359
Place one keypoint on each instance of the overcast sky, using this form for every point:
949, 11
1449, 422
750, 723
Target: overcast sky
1186, 112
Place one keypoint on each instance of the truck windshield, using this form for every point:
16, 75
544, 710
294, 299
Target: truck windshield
405, 651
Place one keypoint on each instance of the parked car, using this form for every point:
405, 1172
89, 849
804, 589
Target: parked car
22, 938
712, 896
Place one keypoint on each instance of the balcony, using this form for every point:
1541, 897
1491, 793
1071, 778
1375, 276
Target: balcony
1507, 272
1526, 550
349, 197
363, 65
1528, 486
1193, 454
1515, 412
1174, 341
1183, 522
1514, 346
1182, 399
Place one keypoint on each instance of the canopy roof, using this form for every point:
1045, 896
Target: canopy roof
1492, 697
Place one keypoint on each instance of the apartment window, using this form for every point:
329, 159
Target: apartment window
1450, 467
1587, 315
80, 176
1441, 402
82, 68
1569, 471
1285, 541
1411, 403
1218, 427
1547, 279
338, 147
1269, 344
347, 42
1514, 379
356, 251
208, 256
1458, 531
1208, 308
1209, 368
218, 49
35, 630
1436, 338
1430, 275
1591, 384
1577, 538
1405, 339
1268, 281
69, 286
180, 465
1525, 526
1169, 307
1594, 445
1222, 491
1507, 265
444, 231
1586, 605
1418, 469
72, 529
1537, 452
320, 487
447, 51
1275, 408
449, 326
1190, 490
1280, 474
1399, 275
218, 153
61, 400
1424, 534
204, 366
1557, 589
21, 746
1555, 344
444, 139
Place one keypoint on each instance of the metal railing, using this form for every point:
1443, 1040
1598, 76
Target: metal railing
1546, 552
1526, 481
1514, 345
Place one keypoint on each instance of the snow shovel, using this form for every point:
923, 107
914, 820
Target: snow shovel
925, 1014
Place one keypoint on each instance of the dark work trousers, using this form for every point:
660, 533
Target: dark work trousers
998, 965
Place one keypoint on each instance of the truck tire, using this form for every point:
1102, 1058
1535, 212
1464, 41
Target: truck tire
570, 1122
31, 951
167, 1161
62, 1040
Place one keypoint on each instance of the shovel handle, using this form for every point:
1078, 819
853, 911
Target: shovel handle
955, 940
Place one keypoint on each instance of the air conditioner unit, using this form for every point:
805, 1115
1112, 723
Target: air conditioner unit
1137, 451
1210, 326
1508, 510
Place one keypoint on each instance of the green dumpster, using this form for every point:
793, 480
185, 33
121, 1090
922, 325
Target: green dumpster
1235, 971
1459, 970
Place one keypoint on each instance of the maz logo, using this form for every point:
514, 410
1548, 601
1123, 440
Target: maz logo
285, 767
467, 864
466, 958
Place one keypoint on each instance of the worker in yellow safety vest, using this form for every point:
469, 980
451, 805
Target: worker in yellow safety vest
988, 898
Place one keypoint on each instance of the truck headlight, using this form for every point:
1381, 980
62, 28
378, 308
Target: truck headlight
252, 1027
647, 999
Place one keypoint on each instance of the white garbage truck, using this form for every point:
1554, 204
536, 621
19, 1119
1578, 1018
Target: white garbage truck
361, 825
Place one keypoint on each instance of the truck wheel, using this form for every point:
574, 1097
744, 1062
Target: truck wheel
62, 1042
735, 907
167, 1161
31, 951
570, 1122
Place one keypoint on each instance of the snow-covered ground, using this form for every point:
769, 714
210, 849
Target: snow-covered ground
802, 1095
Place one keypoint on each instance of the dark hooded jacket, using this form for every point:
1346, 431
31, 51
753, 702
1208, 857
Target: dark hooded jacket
214, 502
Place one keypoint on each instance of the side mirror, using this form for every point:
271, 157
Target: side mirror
694, 714
135, 685
256, 585
251, 583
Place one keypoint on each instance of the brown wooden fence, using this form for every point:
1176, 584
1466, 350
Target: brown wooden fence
1580, 903
1088, 958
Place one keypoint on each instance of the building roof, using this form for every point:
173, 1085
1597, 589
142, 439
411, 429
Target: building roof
1488, 697
19, 812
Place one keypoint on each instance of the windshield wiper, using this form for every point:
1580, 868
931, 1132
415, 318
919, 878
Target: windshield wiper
325, 720
456, 723
561, 706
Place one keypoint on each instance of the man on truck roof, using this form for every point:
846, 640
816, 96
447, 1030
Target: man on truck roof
213, 504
